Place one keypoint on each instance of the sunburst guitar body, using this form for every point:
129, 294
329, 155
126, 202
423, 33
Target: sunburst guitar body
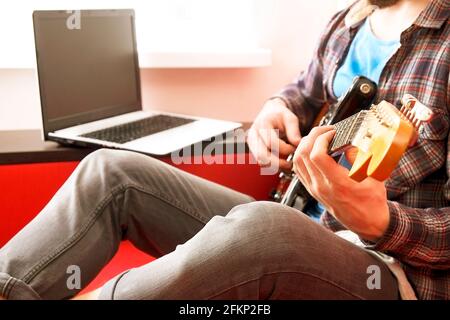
375, 140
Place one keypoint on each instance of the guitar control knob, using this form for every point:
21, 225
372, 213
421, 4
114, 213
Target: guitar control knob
365, 88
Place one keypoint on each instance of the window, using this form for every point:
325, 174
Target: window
162, 25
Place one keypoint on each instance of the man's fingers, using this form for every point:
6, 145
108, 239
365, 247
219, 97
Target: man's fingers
317, 179
311, 177
302, 174
303, 152
273, 142
254, 142
284, 165
307, 143
292, 128
284, 149
268, 159
263, 155
320, 146
323, 162
317, 131
300, 169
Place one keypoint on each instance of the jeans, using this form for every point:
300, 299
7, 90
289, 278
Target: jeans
212, 242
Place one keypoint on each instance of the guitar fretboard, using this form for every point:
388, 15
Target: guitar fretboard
346, 131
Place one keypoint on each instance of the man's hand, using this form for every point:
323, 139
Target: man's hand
361, 207
264, 141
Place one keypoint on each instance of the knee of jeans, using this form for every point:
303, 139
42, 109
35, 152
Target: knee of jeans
262, 233
259, 210
269, 218
113, 166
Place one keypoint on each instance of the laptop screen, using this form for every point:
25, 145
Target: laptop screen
87, 66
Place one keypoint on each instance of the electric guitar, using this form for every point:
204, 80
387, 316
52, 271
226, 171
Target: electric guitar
374, 140
377, 138
359, 96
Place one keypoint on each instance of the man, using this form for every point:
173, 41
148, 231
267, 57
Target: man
215, 243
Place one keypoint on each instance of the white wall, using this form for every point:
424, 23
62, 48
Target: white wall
19, 99
289, 27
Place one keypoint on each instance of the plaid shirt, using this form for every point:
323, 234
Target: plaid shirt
419, 188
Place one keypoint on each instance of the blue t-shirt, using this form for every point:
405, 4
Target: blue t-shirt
367, 57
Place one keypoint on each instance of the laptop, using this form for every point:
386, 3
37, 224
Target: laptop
90, 89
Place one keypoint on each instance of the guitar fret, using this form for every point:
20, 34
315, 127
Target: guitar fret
341, 130
345, 132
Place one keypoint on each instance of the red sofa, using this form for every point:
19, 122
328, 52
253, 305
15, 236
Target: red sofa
26, 188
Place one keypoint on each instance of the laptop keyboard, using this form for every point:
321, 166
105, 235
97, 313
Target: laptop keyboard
137, 129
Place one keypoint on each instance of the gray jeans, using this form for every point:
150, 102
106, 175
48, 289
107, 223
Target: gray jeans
212, 242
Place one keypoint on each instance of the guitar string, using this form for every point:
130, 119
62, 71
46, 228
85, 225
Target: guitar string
345, 130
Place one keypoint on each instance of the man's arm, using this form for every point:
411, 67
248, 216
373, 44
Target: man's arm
421, 237
418, 237
276, 130
307, 94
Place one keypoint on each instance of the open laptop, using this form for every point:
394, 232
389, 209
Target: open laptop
90, 87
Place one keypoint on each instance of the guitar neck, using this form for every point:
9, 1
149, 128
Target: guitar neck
346, 131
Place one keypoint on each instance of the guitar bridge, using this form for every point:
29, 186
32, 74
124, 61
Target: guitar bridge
415, 111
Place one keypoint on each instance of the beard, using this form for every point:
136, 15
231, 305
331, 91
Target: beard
383, 3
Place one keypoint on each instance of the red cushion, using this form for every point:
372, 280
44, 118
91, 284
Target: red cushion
25, 189
126, 258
